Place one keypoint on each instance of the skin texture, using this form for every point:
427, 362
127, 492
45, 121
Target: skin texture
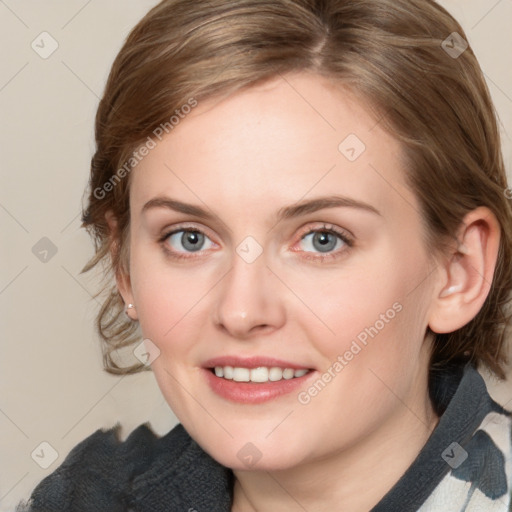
243, 159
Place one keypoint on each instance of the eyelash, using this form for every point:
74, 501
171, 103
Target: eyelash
342, 235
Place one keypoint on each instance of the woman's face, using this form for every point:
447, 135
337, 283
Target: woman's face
275, 229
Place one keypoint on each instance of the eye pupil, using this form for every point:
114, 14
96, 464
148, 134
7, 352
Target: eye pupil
192, 240
326, 241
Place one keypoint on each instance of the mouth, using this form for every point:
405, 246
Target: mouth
255, 380
260, 374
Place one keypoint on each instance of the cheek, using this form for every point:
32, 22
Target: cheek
372, 311
168, 299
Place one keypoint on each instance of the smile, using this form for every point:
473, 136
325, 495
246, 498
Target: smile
259, 375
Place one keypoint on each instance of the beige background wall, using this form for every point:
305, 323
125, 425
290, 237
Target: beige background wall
52, 385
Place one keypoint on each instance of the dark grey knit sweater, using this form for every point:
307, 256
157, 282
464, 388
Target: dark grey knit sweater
464, 466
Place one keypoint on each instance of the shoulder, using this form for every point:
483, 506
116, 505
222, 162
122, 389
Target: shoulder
97, 472
479, 458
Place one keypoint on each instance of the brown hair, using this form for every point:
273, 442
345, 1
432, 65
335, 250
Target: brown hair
388, 52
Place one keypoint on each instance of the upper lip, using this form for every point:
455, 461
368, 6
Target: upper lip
252, 362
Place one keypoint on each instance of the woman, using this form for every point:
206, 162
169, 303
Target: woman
305, 209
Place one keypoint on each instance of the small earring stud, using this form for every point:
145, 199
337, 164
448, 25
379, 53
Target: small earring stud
127, 307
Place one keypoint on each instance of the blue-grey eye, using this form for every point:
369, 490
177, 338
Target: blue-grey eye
189, 240
322, 241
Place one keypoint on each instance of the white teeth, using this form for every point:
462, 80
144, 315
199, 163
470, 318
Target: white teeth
288, 373
260, 374
241, 374
275, 374
228, 372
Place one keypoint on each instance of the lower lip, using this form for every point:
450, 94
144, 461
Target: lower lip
253, 392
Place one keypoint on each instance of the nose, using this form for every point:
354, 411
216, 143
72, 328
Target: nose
250, 300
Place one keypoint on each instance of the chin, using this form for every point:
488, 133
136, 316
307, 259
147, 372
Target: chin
259, 454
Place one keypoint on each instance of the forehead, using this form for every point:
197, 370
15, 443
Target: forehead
293, 137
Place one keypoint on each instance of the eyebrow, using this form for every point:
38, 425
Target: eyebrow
288, 212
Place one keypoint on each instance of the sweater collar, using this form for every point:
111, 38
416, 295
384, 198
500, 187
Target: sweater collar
460, 395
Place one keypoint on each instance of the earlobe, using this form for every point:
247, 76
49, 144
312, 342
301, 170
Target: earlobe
130, 312
122, 280
467, 273
123, 285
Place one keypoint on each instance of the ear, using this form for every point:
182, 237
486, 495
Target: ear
122, 279
466, 273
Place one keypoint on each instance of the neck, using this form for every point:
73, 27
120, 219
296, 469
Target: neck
354, 479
